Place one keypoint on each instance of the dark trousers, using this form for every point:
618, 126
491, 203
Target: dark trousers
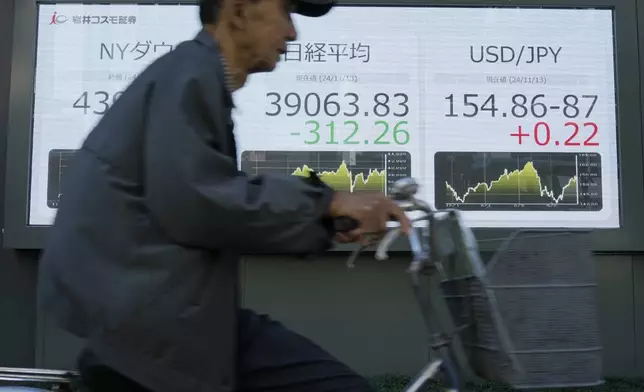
271, 357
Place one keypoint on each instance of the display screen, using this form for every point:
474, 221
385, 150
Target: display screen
507, 114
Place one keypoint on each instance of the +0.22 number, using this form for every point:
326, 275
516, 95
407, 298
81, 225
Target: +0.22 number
313, 104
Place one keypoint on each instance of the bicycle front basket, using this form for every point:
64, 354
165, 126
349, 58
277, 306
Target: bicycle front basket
535, 306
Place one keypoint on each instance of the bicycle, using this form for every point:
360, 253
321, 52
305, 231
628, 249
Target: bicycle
37, 380
451, 285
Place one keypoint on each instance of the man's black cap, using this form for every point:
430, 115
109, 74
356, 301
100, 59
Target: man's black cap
313, 8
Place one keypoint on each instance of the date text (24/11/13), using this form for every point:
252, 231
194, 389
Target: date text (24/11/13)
351, 132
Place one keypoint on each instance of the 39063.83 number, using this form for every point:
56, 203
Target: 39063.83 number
334, 104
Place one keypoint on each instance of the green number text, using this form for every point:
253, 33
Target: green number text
347, 132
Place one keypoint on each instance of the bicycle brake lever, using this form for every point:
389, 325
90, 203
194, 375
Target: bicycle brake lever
385, 243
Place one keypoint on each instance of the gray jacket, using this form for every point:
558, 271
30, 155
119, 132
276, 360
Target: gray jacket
143, 256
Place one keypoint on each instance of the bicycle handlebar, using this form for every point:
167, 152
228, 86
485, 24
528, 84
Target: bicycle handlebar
403, 193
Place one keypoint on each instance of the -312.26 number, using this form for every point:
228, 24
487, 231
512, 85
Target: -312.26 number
348, 131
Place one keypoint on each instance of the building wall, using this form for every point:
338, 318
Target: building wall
17, 272
351, 313
368, 317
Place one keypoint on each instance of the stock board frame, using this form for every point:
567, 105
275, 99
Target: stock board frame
18, 234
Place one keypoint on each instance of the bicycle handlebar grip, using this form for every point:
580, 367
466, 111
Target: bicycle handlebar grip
345, 224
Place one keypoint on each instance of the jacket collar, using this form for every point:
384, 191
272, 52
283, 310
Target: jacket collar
206, 39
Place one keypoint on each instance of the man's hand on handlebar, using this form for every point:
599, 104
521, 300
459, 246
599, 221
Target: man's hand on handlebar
370, 211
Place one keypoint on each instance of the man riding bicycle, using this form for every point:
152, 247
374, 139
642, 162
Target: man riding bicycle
143, 258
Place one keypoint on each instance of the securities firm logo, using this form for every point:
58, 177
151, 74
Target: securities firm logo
58, 19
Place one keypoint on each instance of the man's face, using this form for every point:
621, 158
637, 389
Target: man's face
267, 29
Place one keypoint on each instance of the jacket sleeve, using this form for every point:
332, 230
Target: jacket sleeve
199, 198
